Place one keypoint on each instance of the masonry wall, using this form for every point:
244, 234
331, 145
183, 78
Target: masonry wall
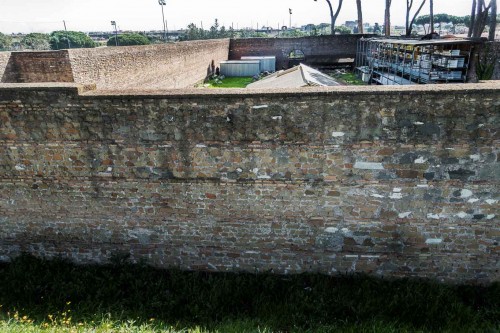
176, 65
494, 48
318, 51
397, 182
44, 66
4, 59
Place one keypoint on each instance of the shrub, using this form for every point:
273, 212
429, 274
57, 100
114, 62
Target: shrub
77, 39
5, 42
129, 39
36, 41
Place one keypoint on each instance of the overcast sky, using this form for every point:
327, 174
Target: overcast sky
95, 15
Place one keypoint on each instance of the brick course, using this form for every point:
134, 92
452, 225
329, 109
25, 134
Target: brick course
398, 182
319, 50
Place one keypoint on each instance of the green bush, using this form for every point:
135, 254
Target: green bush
5, 42
59, 40
36, 41
129, 39
343, 30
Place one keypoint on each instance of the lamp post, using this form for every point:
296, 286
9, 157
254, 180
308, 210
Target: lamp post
113, 23
163, 3
290, 11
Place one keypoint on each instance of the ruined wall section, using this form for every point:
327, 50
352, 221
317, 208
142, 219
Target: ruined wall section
319, 50
4, 59
42, 66
175, 65
397, 182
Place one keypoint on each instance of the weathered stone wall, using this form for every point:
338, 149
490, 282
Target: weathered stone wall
4, 59
396, 182
176, 65
319, 50
43, 66
494, 48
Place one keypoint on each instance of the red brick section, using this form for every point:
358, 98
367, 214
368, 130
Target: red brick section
29, 67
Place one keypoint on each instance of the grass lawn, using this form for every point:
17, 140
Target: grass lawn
55, 296
348, 78
229, 82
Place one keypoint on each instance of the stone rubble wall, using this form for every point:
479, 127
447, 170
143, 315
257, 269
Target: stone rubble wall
400, 182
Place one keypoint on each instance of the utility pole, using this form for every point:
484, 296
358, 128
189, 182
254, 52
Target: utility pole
113, 23
67, 37
163, 3
290, 11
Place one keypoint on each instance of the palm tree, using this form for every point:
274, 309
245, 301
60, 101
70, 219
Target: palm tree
333, 16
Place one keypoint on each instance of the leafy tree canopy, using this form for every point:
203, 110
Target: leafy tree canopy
129, 39
343, 30
5, 41
215, 32
442, 18
36, 41
77, 40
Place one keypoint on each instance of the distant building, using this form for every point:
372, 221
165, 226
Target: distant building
351, 24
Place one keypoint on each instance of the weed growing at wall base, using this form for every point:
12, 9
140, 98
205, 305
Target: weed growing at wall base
228, 82
56, 296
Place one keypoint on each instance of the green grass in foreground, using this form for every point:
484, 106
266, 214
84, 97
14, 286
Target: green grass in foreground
55, 296
229, 82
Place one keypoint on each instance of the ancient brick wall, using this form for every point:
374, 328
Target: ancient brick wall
4, 59
317, 50
44, 66
395, 182
176, 65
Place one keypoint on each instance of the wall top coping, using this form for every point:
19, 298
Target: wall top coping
91, 92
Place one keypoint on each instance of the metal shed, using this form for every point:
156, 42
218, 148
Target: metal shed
267, 63
239, 68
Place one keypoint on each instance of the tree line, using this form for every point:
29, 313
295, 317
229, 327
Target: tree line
482, 14
58, 40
